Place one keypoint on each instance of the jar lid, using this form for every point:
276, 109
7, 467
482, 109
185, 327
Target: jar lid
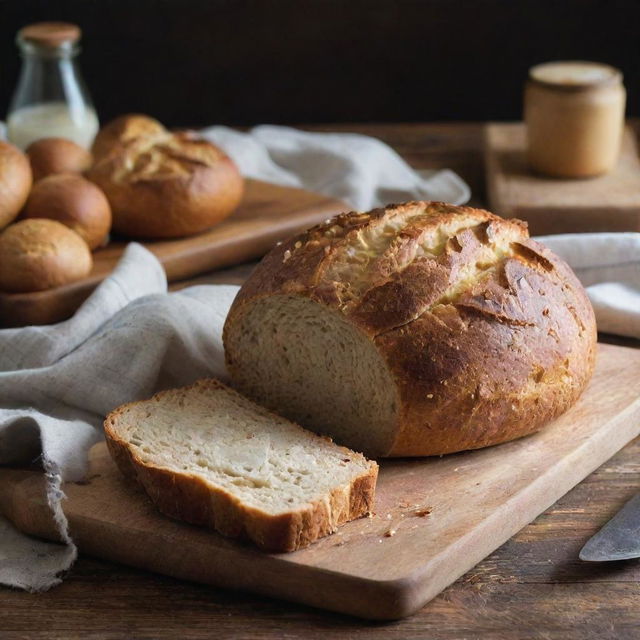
572, 75
50, 34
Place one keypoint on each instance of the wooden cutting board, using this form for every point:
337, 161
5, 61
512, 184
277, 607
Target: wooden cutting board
383, 567
267, 214
606, 203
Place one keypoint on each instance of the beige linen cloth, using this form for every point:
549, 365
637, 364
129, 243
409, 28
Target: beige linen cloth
132, 338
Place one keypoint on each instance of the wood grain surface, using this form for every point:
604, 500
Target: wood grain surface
610, 202
434, 519
268, 213
532, 587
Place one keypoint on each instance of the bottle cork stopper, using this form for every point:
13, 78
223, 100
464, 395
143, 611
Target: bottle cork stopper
50, 34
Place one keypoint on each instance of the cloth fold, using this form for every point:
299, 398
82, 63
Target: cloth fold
129, 339
359, 170
608, 265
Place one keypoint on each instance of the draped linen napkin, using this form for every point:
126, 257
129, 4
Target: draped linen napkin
608, 265
128, 340
362, 171
132, 338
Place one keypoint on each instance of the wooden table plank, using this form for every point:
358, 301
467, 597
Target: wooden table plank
534, 586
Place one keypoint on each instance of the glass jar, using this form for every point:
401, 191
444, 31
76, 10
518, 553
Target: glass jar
50, 99
574, 113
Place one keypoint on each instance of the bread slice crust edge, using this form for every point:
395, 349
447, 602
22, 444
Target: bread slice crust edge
189, 498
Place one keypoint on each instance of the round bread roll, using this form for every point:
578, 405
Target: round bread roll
168, 186
57, 155
123, 129
15, 182
419, 329
40, 254
74, 201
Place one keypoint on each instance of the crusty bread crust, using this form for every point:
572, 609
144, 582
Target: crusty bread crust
75, 202
190, 498
478, 359
56, 155
164, 185
121, 130
38, 254
15, 182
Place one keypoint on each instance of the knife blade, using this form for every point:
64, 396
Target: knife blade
619, 539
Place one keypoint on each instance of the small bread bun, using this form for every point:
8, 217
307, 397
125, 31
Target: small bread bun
123, 129
41, 254
15, 182
74, 201
168, 185
57, 155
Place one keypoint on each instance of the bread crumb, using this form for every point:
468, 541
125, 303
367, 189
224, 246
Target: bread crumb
429, 395
298, 244
422, 513
287, 255
389, 533
388, 516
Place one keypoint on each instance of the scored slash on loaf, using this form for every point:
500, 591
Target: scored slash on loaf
209, 456
417, 329
162, 184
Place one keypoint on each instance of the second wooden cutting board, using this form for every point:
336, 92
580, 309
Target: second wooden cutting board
549, 205
267, 214
435, 518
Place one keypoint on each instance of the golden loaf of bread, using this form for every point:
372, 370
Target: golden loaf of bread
417, 329
164, 185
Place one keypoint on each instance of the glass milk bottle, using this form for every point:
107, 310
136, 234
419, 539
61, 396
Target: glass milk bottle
51, 99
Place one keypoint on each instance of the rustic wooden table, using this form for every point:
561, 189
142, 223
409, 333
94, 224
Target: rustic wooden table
534, 586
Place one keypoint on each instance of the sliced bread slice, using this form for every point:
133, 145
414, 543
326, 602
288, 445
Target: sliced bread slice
209, 456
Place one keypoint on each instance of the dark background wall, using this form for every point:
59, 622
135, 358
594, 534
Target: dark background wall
195, 62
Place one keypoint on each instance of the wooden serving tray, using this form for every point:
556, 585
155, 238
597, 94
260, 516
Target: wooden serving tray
435, 517
550, 205
267, 214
